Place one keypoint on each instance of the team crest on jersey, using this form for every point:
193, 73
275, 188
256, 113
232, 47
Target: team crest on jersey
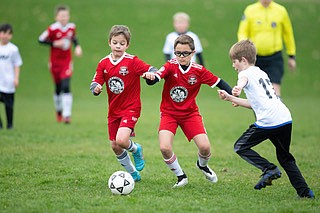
123, 70
192, 79
178, 94
116, 85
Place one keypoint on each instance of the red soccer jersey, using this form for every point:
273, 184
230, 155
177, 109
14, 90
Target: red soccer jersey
182, 86
122, 80
55, 32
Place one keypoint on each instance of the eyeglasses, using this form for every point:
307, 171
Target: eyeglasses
184, 54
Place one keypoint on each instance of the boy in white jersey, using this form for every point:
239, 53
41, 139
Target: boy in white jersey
181, 23
273, 120
10, 62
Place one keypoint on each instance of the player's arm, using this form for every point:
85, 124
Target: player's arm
243, 29
78, 49
44, 38
224, 86
150, 76
235, 100
167, 57
242, 82
200, 58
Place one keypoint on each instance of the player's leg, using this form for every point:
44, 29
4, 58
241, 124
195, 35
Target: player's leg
171, 160
252, 137
8, 100
121, 153
124, 141
204, 154
57, 101
1, 100
66, 100
282, 141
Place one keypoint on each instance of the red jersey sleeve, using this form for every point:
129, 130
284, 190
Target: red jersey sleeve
209, 78
99, 75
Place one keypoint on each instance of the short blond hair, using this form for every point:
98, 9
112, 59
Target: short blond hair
245, 49
181, 16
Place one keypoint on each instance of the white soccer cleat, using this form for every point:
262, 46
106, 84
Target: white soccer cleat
182, 181
209, 173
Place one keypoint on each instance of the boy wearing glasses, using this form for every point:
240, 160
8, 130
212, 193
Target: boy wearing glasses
183, 79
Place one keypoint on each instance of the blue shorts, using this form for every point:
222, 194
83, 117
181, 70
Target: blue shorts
272, 65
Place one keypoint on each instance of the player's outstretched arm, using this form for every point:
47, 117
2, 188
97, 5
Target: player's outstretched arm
150, 76
235, 100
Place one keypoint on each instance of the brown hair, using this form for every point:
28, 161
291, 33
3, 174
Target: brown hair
61, 8
243, 48
184, 39
120, 30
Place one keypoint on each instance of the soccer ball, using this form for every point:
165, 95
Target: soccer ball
121, 183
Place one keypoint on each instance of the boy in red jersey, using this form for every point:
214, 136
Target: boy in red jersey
183, 79
121, 72
60, 35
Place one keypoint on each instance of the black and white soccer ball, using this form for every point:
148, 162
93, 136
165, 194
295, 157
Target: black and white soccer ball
121, 183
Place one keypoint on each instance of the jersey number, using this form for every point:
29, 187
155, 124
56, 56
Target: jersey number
264, 85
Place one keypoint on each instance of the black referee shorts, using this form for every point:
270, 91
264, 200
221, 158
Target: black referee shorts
272, 65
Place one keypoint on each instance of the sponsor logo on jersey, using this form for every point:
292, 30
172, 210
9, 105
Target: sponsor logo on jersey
178, 94
116, 85
123, 71
192, 79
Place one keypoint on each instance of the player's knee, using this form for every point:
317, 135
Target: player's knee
165, 150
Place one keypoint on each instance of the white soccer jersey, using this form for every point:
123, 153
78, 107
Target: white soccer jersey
9, 59
269, 109
169, 43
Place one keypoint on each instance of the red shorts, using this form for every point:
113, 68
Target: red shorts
114, 123
60, 71
191, 125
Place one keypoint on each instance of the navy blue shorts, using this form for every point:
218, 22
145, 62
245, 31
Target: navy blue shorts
272, 65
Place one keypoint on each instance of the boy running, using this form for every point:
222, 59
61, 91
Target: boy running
121, 72
273, 120
183, 79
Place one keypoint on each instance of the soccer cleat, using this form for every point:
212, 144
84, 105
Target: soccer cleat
210, 175
309, 195
182, 181
138, 158
59, 116
136, 176
266, 178
67, 120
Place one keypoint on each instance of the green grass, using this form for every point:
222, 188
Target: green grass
51, 167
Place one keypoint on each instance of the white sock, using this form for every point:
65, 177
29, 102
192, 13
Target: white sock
125, 161
57, 102
174, 165
66, 104
132, 147
203, 160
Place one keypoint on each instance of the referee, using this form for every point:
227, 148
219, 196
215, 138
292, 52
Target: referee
268, 26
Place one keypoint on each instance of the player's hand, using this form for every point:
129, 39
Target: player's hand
223, 95
236, 91
148, 75
78, 51
16, 82
234, 104
292, 64
97, 89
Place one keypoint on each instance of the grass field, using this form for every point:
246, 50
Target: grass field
51, 167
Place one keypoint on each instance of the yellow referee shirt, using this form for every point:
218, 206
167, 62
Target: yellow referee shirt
267, 28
